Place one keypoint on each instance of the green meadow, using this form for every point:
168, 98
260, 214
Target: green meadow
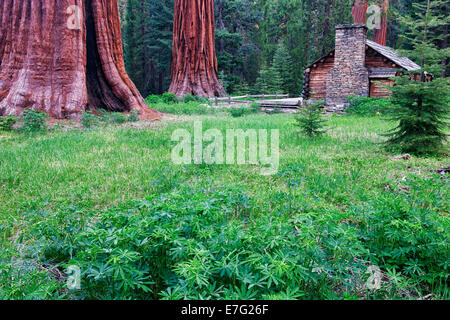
110, 201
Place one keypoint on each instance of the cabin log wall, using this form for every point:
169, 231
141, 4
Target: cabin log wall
318, 78
378, 88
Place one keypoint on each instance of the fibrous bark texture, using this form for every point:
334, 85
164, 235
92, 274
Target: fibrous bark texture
194, 62
379, 35
359, 13
64, 57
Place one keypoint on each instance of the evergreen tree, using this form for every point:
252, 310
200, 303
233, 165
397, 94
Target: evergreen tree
274, 81
129, 42
249, 35
242, 88
310, 120
223, 79
261, 84
306, 27
421, 107
282, 63
236, 33
135, 59
268, 81
148, 43
424, 34
158, 41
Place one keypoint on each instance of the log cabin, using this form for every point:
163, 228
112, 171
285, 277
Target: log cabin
356, 66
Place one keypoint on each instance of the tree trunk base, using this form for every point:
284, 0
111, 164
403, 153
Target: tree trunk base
201, 84
194, 62
64, 57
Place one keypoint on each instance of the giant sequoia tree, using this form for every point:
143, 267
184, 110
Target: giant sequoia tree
379, 34
63, 57
359, 12
194, 62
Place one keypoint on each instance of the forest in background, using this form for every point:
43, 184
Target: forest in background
262, 46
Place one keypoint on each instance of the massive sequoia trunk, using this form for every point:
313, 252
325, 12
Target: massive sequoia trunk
64, 57
379, 35
359, 13
194, 62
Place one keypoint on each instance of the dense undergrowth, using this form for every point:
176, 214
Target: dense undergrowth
109, 202
365, 106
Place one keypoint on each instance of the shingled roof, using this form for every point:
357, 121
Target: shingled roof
403, 62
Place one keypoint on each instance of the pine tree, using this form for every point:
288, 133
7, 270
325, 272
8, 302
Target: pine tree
310, 120
268, 81
223, 79
424, 35
158, 41
261, 85
421, 107
242, 88
282, 63
274, 81
134, 47
148, 43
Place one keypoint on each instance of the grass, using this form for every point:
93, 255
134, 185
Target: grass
114, 164
336, 179
191, 106
198, 107
188, 108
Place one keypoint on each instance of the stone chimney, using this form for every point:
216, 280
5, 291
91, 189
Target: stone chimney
349, 76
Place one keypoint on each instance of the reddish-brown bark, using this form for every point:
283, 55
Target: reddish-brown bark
194, 62
63, 57
359, 11
379, 35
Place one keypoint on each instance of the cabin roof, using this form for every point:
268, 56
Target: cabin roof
392, 55
388, 53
